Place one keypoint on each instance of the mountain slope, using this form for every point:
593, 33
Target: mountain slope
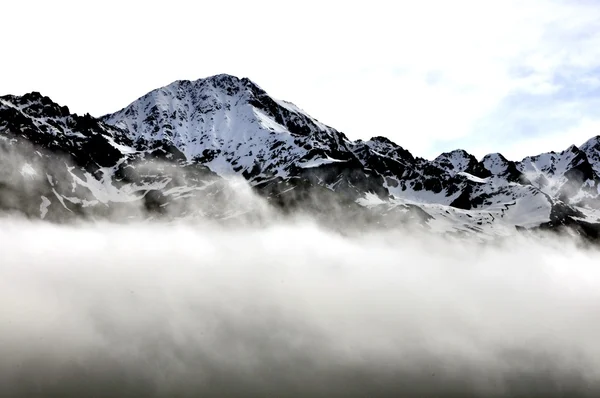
178, 146
60, 165
232, 126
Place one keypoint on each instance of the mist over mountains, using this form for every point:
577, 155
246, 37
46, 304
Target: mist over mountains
175, 150
210, 240
179, 310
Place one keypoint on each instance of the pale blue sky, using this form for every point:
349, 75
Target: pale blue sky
518, 77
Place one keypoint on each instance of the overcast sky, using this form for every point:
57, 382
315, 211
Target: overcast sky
517, 77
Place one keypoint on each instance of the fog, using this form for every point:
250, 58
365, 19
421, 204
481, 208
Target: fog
291, 309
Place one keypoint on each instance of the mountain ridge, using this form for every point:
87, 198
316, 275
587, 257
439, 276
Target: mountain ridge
222, 126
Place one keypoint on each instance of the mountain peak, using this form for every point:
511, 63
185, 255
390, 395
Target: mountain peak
229, 83
36, 105
591, 148
225, 80
218, 84
593, 142
457, 159
461, 161
383, 140
572, 148
229, 123
494, 157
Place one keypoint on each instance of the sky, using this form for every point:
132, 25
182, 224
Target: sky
516, 77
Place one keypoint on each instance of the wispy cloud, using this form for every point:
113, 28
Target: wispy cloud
553, 90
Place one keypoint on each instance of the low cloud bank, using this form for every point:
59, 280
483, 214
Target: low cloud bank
294, 310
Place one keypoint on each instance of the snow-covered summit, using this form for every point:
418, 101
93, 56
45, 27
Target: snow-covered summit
458, 161
231, 125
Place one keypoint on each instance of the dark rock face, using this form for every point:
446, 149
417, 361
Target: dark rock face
46, 124
166, 153
463, 201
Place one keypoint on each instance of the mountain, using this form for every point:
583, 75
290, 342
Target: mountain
58, 165
174, 151
232, 126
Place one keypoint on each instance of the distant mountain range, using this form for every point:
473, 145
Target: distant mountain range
172, 153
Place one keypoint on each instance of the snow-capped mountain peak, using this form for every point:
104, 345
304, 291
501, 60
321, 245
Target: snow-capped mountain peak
460, 161
230, 126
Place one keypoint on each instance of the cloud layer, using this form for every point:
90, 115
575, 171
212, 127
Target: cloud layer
156, 309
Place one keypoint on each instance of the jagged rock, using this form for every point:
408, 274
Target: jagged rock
167, 152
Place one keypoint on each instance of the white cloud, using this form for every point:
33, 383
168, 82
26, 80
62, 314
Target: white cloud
295, 310
365, 69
